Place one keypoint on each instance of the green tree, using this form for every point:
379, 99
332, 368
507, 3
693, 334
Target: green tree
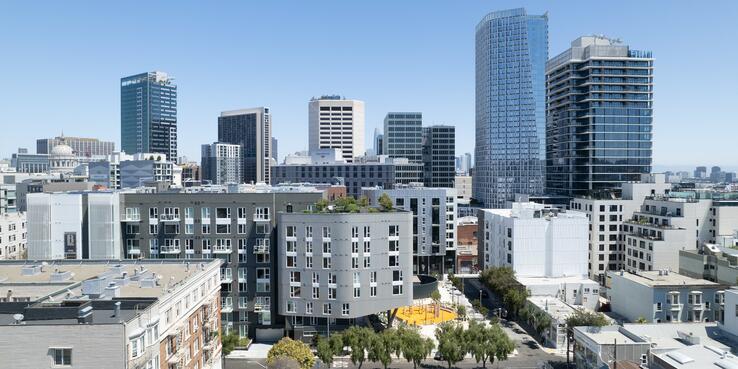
582, 318
295, 350
412, 346
321, 205
229, 342
385, 202
435, 296
503, 345
452, 343
358, 339
461, 312
324, 351
641, 320
363, 201
541, 322
382, 346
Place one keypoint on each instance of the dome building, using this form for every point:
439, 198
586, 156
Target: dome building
62, 159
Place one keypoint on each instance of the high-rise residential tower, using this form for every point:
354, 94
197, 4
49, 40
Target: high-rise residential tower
252, 130
148, 114
403, 136
336, 123
439, 159
221, 163
598, 129
511, 54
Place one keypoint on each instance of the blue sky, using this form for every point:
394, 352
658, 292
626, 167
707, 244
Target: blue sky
61, 63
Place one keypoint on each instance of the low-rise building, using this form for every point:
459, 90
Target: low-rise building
574, 290
433, 226
534, 240
641, 345
694, 357
664, 296
93, 314
334, 268
467, 258
712, 262
13, 236
121, 170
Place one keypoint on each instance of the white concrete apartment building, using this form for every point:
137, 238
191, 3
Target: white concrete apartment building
13, 236
221, 163
662, 227
94, 314
463, 186
606, 214
336, 123
729, 323
534, 240
74, 226
663, 296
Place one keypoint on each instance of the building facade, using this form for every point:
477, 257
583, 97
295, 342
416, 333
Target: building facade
92, 314
252, 130
662, 296
128, 171
607, 214
83, 147
222, 163
238, 228
433, 225
534, 240
353, 176
599, 116
13, 235
439, 158
334, 268
511, 54
148, 114
403, 136
336, 123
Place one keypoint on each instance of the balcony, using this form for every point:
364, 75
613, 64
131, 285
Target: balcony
261, 218
675, 307
169, 217
134, 250
226, 308
261, 249
226, 277
170, 249
131, 218
261, 307
222, 249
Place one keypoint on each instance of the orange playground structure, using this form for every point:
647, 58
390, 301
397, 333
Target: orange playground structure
425, 314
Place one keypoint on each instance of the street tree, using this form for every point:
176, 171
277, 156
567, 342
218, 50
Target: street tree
452, 344
414, 347
295, 350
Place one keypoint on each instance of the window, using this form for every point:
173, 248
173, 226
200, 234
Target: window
309, 308
205, 213
291, 307
327, 309
326, 232
367, 232
205, 228
242, 213
308, 262
367, 247
326, 262
326, 247
367, 262
345, 309
393, 230
223, 213
308, 246
309, 231
291, 231
355, 262
62, 356
316, 292
261, 214
331, 293
354, 232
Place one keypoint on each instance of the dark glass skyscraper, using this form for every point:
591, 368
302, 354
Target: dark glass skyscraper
511, 54
148, 114
252, 130
439, 156
600, 97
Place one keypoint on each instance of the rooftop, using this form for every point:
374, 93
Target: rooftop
606, 335
699, 356
671, 336
658, 278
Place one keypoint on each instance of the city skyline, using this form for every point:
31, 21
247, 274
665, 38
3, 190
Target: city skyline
208, 85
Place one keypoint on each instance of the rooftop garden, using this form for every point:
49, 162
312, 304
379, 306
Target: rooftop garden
349, 204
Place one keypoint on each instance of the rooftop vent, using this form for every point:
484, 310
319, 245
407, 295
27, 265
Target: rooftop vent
60, 276
31, 270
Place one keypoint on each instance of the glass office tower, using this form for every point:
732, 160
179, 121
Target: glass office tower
148, 114
403, 136
600, 98
511, 54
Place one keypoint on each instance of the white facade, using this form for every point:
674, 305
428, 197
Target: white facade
534, 240
730, 318
61, 225
222, 163
606, 215
103, 231
336, 123
12, 236
54, 226
463, 186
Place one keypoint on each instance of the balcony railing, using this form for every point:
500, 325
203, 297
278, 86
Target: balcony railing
170, 249
261, 218
131, 218
169, 217
134, 250
261, 249
222, 249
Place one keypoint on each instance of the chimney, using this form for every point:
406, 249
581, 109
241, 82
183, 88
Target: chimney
117, 310
9, 295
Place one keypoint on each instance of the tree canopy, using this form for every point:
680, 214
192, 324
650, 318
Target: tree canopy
295, 350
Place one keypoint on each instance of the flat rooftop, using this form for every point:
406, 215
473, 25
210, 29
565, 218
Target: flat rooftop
607, 335
554, 307
545, 281
672, 335
699, 356
25, 280
655, 278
